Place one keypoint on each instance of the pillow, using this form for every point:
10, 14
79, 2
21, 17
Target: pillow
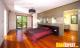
45, 28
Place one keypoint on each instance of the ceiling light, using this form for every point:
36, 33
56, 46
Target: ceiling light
32, 11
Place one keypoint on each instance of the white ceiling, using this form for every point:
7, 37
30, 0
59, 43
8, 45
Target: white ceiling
40, 5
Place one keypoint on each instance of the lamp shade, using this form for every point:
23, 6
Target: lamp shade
32, 10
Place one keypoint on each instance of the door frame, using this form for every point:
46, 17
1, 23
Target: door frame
21, 21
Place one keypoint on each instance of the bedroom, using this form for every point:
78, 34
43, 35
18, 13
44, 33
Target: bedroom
43, 29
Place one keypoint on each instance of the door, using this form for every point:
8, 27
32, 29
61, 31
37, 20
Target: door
21, 22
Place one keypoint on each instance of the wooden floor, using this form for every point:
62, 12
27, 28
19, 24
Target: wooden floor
47, 42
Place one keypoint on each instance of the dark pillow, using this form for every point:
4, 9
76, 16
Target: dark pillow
44, 28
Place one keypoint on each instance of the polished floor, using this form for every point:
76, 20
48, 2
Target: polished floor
50, 41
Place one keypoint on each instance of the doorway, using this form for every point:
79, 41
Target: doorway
71, 20
21, 25
21, 22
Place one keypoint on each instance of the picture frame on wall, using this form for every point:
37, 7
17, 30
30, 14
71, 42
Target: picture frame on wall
74, 19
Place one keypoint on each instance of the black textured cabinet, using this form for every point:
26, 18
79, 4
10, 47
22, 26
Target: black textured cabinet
54, 29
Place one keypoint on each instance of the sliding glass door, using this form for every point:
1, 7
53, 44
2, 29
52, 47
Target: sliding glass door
21, 22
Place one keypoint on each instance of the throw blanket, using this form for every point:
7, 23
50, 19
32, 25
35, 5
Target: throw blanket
38, 33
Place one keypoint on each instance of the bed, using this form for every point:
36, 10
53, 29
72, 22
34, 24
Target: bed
38, 33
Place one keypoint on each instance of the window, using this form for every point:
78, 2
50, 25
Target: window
21, 22
53, 20
74, 20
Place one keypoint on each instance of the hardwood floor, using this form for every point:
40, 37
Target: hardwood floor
47, 42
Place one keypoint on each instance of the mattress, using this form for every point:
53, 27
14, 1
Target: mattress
38, 33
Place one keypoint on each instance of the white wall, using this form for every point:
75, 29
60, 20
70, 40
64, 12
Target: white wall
29, 22
12, 20
32, 21
3, 25
60, 22
74, 27
35, 20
